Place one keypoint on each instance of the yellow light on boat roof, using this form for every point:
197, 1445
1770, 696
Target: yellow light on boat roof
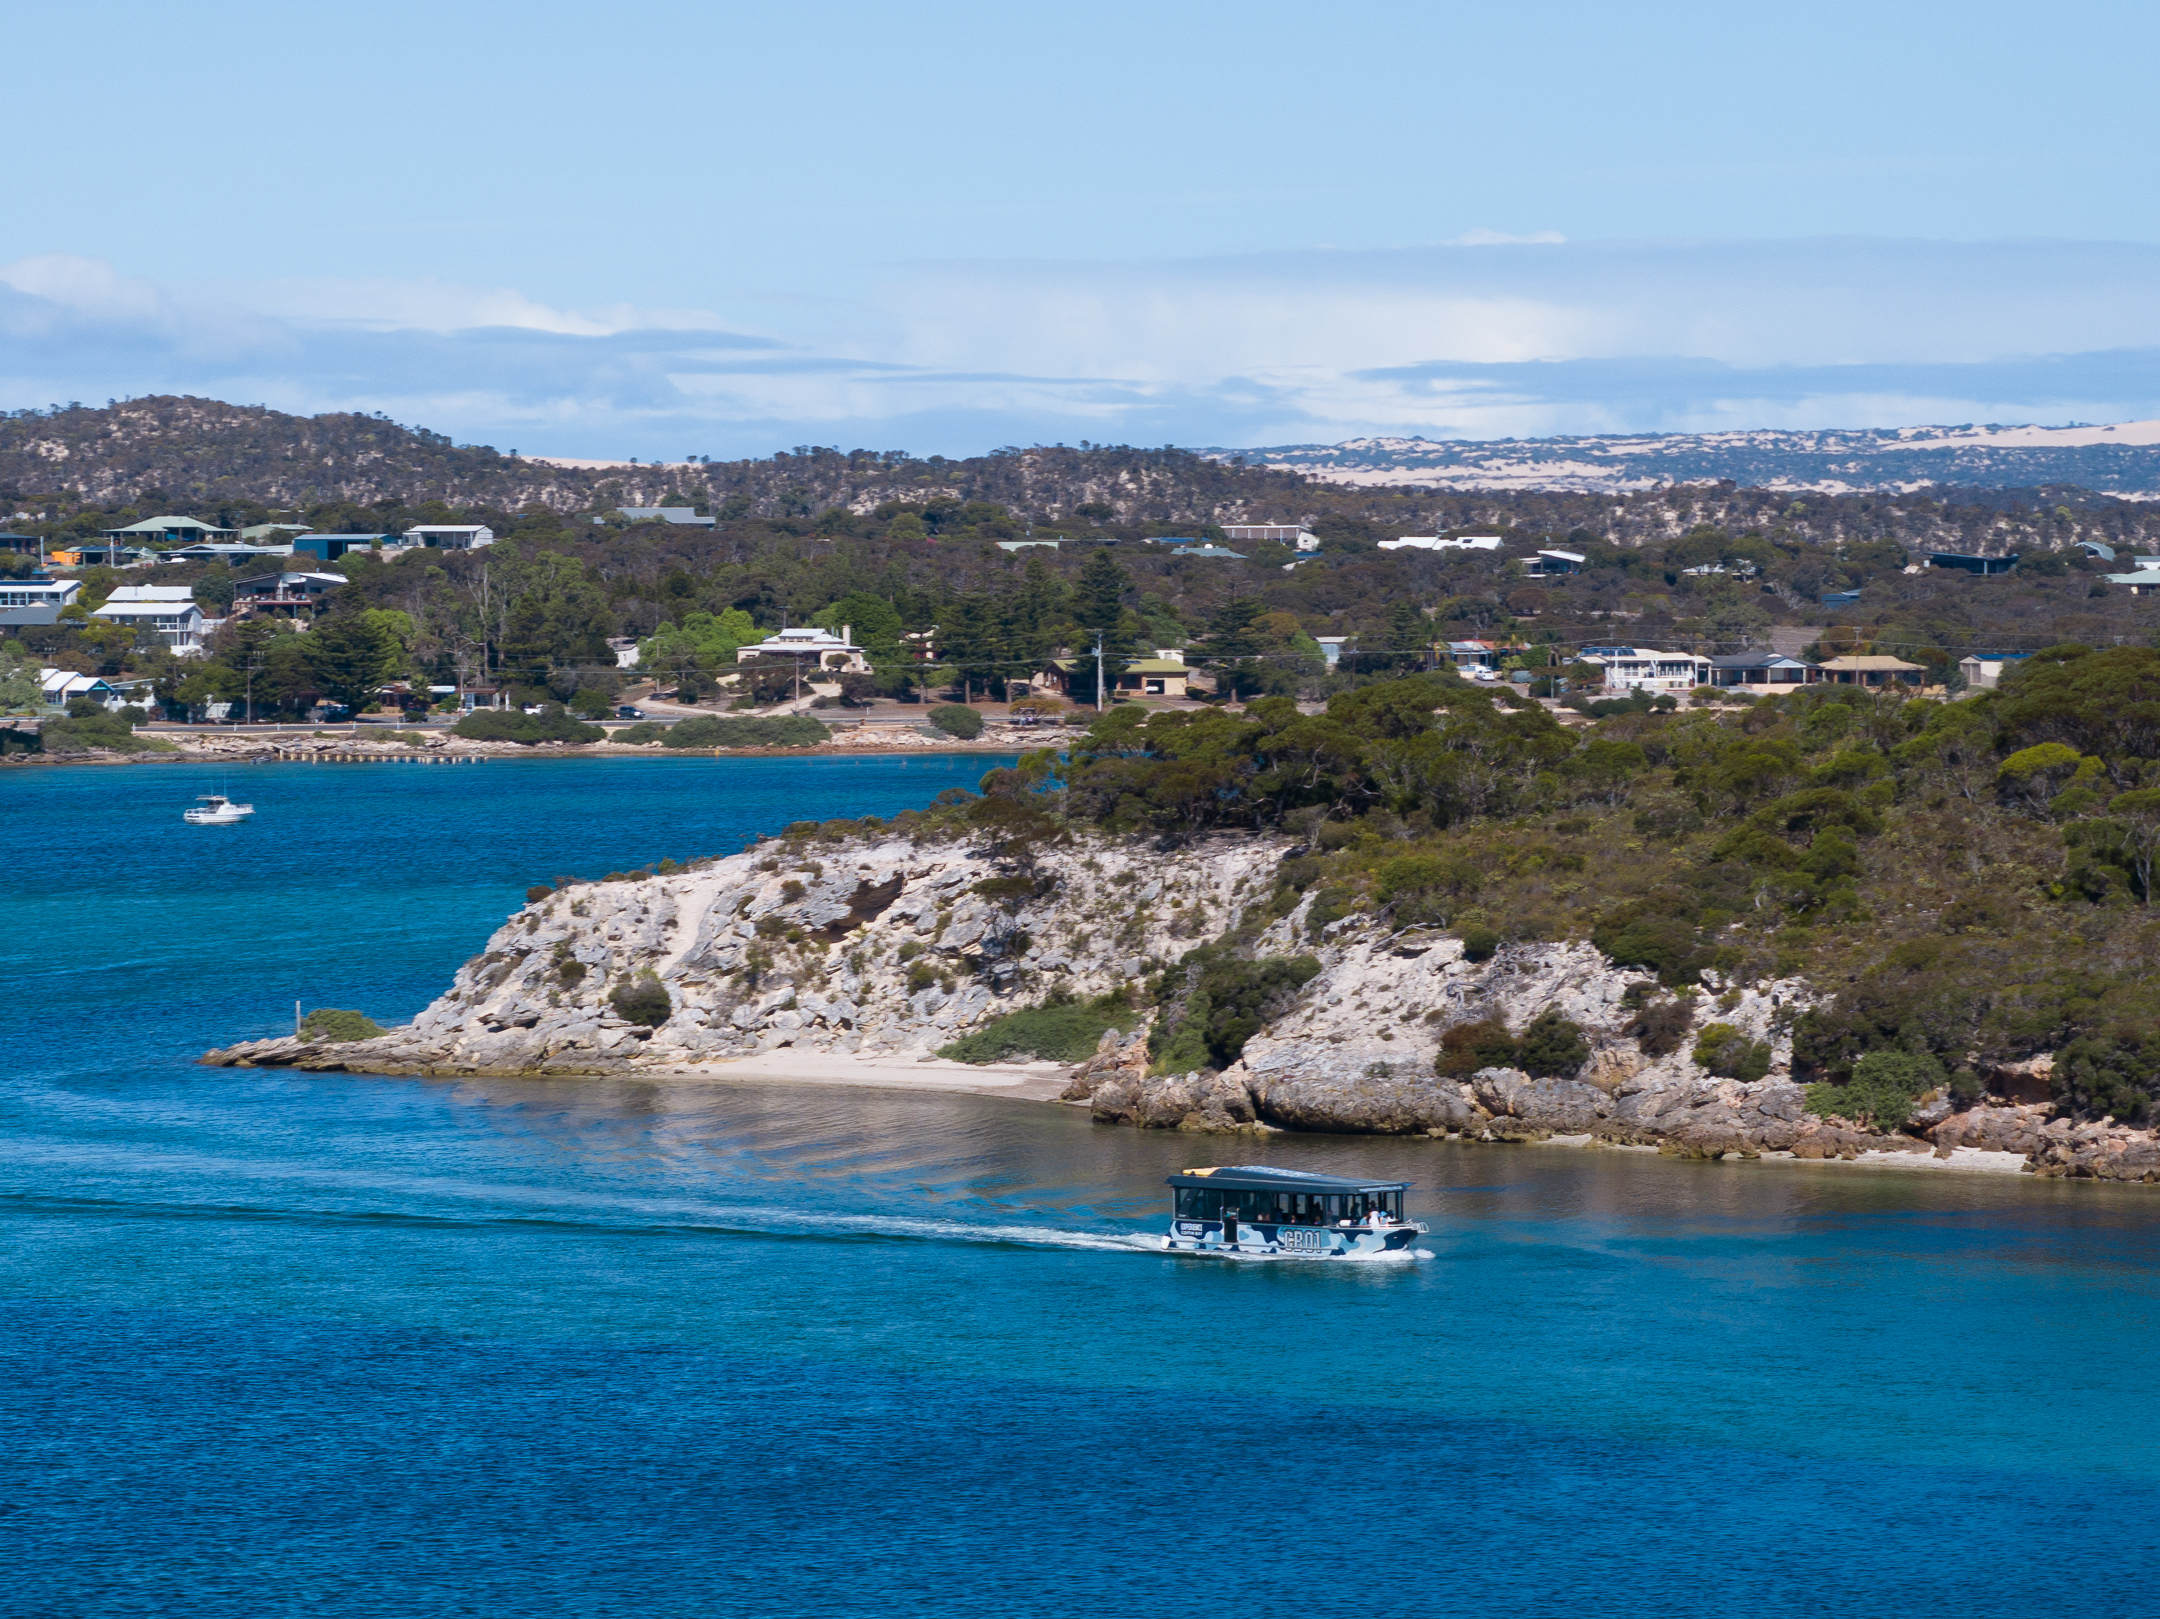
1207, 1171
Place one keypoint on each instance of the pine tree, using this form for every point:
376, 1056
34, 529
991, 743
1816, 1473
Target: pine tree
1099, 608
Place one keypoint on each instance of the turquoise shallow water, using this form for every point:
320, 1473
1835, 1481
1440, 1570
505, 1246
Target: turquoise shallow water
352, 1345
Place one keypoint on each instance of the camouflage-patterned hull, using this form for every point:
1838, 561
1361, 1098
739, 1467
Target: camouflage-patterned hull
1266, 1240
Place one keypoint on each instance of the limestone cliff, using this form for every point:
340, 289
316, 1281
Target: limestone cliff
885, 946
871, 946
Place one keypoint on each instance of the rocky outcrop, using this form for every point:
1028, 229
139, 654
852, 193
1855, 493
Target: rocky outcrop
872, 947
882, 947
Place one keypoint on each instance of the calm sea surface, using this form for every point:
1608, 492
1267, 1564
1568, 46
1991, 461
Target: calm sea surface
356, 1346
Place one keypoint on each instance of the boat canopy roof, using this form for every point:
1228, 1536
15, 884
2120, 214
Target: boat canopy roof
1265, 1178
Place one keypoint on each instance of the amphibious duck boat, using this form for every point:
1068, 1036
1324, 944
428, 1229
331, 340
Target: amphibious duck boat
1253, 1210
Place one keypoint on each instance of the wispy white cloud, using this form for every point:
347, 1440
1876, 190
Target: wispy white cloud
1484, 337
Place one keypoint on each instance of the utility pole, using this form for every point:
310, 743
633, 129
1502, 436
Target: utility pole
1098, 672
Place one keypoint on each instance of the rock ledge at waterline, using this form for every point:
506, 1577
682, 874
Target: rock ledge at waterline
880, 948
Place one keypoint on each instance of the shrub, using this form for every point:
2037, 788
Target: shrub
1660, 1022
641, 733
921, 976
98, 729
1882, 1090
1479, 943
339, 1023
1729, 1054
752, 731
643, 999
1226, 1000
551, 724
1467, 1047
592, 704
1048, 1033
1552, 1047
1329, 905
956, 720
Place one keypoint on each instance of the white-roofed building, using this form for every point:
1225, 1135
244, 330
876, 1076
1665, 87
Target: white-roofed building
39, 591
450, 536
1295, 535
1641, 668
168, 611
813, 648
60, 686
1442, 542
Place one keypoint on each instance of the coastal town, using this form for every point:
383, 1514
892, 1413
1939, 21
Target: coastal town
251, 639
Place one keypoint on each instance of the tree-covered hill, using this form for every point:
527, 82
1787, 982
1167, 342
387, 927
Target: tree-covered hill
75, 468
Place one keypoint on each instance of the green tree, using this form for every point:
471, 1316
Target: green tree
350, 655
1099, 609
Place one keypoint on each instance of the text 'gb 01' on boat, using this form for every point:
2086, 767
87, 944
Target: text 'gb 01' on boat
215, 809
1251, 1209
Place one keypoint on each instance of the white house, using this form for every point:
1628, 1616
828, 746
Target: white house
679, 516
1984, 671
38, 591
1641, 668
450, 536
1295, 535
170, 611
818, 649
59, 686
1438, 542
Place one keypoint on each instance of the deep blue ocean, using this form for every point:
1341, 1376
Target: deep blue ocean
279, 1345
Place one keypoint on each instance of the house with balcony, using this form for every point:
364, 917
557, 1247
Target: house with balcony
160, 532
169, 612
1295, 535
1757, 669
1641, 668
39, 591
293, 595
450, 536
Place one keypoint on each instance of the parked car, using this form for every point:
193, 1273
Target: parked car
626, 712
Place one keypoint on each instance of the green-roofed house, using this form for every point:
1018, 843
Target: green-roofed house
168, 531
1143, 677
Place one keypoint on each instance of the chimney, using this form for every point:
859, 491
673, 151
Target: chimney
847, 633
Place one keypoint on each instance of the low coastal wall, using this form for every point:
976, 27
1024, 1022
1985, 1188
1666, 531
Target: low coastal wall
882, 948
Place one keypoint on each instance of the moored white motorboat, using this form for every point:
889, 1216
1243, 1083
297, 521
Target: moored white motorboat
215, 809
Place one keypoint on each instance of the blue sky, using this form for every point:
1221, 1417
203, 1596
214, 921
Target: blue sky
657, 230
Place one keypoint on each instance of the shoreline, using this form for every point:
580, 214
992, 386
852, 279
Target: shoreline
400, 754
1046, 1082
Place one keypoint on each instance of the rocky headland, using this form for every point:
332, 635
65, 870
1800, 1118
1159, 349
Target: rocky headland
883, 946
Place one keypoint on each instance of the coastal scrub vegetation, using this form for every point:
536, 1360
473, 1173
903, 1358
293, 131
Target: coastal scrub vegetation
339, 1023
1060, 1032
551, 724
1970, 880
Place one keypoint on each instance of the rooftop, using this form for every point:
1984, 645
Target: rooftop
1267, 1178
